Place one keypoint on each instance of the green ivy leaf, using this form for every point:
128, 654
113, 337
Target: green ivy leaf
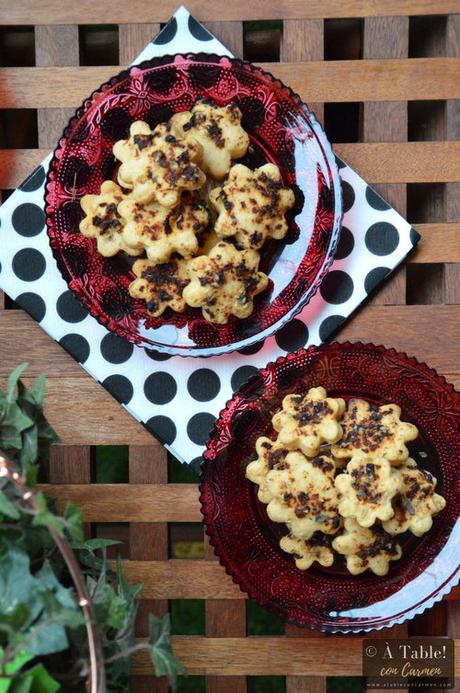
36, 680
8, 508
161, 652
93, 544
45, 517
12, 667
38, 390
73, 519
13, 380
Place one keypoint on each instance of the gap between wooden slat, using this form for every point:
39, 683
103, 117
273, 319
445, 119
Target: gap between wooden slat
29, 12
334, 81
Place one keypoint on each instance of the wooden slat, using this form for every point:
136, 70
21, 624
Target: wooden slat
148, 542
29, 12
398, 326
334, 81
452, 191
382, 162
268, 656
132, 502
133, 38
54, 46
388, 37
230, 34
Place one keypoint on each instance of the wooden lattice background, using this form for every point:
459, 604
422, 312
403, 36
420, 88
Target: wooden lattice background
384, 77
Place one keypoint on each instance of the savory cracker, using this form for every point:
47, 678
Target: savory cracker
270, 455
308, 420
367, 489
374, 431
303, 495
157, 166
160, 285
218, 130
416, 502
251, 206
103, 222
366, 548
224, 283
306, 552
161, 232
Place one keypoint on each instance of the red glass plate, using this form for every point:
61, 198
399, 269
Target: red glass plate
247, 542
282, 130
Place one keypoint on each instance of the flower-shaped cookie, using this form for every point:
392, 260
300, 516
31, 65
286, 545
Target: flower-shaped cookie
308, 420
218, 130
161, 232
318, 548
160, 286
303, 495
103, 222
416, 503
367, 489
224, 283
158, 166
271, 455
251, 205
375, 431
366, 548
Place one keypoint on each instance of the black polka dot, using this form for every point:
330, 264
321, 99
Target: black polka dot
252, 349
28, 219
157, 355
203, 384
337, 287
34, 181
292, 336
69, 308
167, 33
375, 201
329, 326
382, 238
160, 388
196, 464
198, 31
199, 427
348, 196
29, 264
346, 244
120, 387
162, 428
76, 345
33, 304
115, 349
241, 376
339, 162
374, 277
414, 236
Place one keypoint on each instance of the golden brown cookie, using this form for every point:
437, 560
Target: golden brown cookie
270, 455
103, 222
367, 489
160, 286
416, 502
161, 232
251, 206
158, 166
375, 431
306, 552
308, 420
218, 130
303, 495
224, 283
366, 548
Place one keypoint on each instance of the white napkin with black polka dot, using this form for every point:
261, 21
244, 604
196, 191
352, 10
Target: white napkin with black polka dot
176, 398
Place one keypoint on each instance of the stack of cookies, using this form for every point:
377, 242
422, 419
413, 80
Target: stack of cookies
198, 221
341, 479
